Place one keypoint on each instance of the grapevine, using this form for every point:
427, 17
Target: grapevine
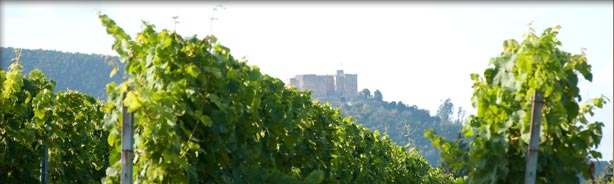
499, 133
202, 116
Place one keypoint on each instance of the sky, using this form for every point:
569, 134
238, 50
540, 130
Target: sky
416, 52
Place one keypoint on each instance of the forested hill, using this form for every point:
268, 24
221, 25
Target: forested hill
87, 73
404, 123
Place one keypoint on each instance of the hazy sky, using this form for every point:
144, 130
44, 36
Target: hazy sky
417, 53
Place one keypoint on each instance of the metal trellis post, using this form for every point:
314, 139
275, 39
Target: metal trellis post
532, 152
127, 142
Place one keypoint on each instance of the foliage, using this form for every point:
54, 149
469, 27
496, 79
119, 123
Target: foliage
67, 123
500, 130
446, 168
202, 116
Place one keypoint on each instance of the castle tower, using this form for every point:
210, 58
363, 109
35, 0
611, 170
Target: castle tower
340, 83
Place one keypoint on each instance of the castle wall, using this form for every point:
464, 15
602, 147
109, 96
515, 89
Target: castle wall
327, 86
351, 85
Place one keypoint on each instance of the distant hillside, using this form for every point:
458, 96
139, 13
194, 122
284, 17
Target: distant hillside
404, 123
87, 73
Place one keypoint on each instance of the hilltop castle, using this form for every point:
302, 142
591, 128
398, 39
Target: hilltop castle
340, 87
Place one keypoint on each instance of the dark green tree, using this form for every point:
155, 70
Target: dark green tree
377, 96
446, 111
365, 94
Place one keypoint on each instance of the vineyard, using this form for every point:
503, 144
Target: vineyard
66, 125
202, 116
